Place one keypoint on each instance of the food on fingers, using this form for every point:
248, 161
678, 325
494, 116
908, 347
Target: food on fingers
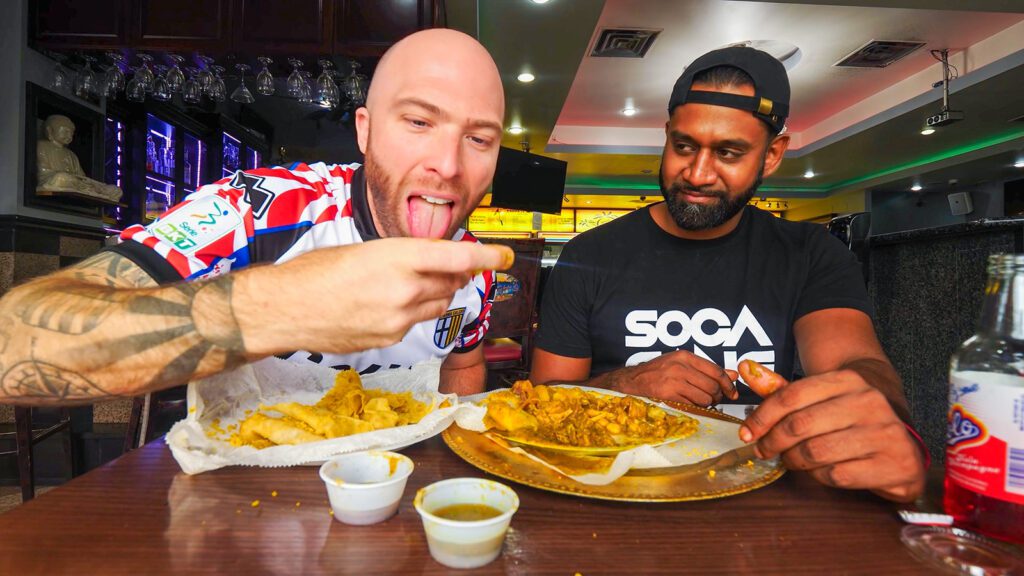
760, 379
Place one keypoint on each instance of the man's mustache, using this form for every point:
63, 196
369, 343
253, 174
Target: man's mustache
678, 188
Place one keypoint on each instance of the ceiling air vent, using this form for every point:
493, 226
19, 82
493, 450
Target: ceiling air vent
622, 43
878, 54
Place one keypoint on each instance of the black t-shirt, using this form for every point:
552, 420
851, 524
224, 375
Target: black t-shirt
628, 291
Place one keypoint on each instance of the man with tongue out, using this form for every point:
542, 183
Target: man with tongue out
367, 266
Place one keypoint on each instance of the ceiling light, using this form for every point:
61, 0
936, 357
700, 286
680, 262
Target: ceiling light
525, 77
539, 1
588, 201
1019, 163
809, 174
927, 130
916, 188
629, 111
516, 130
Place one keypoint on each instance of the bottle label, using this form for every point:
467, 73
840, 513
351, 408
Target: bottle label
985, 435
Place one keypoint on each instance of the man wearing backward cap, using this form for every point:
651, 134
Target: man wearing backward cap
665, 302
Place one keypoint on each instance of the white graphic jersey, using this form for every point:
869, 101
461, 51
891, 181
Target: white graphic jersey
271, 215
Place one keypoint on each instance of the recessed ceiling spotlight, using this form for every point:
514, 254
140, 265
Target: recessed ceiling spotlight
516, 129
927, 130
539, 1
629, 111
916, 188
526, 77
1019, 163
809, 174
588, 201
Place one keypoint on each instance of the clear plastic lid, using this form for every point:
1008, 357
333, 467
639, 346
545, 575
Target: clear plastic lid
957, 551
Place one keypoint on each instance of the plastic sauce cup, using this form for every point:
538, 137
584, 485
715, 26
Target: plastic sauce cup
465, 544
366, 487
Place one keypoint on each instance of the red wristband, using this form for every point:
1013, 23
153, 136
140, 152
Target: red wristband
921, 445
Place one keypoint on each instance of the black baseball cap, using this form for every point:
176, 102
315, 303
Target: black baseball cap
770, 101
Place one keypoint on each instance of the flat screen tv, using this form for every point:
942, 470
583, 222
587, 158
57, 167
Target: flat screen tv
524, 181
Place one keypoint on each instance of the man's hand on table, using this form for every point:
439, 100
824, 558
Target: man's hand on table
679, 376
350, 298
841, 430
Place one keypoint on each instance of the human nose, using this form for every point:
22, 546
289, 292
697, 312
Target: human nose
444, 156
702, 170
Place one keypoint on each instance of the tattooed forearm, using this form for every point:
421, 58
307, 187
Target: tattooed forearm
85, 334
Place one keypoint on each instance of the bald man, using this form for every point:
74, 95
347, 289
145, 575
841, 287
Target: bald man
369, 268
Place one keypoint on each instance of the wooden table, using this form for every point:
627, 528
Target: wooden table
141, 515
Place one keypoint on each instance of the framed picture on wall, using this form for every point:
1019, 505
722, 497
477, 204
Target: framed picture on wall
63, 155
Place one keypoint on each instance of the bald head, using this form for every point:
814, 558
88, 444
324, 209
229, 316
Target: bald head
438, 54
431, 130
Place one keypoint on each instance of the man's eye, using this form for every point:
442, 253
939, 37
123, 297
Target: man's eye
479, 141
418, 123
729, 154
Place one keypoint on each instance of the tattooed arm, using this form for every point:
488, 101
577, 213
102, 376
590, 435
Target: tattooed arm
103, 328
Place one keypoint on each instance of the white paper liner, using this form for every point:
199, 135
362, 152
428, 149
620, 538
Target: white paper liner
226, 397
712, 439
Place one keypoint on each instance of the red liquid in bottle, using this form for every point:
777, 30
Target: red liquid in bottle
979, 513
985, 422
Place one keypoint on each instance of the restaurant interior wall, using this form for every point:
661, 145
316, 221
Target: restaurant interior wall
898, 211
825, 208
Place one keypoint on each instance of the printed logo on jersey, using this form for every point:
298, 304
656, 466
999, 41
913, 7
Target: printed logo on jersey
964, 429
676, 329
197, 224
448, 327
255, 194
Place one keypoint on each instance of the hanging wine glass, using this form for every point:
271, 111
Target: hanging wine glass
355, 86
175, 77
242, 94
114, 80
205, 77
86, 84
218, 90
136, 89
192, 91
327, 93
144, 74
295, 79
265, 81
61, 78
305, 90
161, 87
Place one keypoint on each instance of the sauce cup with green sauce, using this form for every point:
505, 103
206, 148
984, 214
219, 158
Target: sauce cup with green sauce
466, 519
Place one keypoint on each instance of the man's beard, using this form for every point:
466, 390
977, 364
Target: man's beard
695, 217
389, 204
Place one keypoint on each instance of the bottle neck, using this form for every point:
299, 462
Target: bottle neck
1002, 312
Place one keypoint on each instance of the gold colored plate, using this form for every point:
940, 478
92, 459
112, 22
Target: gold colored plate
732, 473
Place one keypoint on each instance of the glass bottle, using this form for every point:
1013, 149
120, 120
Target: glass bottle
150, 152
985, 436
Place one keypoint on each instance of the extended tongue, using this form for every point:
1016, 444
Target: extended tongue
427, 220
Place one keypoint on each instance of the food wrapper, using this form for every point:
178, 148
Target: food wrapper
224, 398
712, 439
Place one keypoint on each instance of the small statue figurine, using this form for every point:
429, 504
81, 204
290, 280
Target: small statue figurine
59, 170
